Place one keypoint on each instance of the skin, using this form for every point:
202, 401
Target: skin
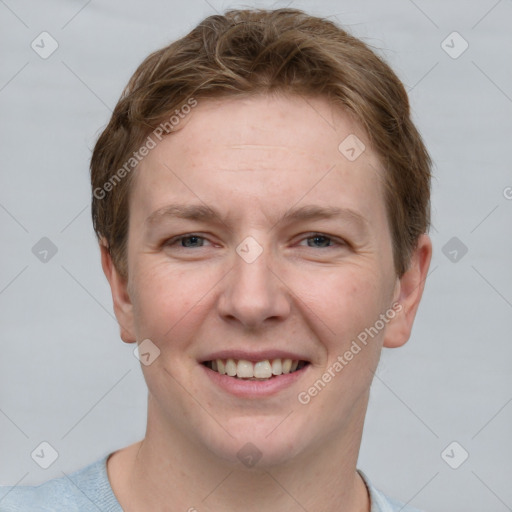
253, 159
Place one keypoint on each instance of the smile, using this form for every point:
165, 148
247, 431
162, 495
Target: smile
257, 370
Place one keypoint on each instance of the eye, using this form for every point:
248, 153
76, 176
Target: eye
189, 241
193, 241
321, 241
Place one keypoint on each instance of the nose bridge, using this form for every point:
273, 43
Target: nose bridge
253, 293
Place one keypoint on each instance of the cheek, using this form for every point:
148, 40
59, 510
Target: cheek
349, 303
344, 298
346, 304
166, 300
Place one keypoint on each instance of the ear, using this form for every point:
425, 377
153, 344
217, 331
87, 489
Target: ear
408, 292
123, 308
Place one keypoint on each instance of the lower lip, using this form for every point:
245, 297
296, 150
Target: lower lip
254, 388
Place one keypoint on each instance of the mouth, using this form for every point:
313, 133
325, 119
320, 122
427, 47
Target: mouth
264, 370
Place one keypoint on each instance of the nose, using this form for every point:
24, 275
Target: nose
253, 296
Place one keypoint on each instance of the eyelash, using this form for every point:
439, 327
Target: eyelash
332, 240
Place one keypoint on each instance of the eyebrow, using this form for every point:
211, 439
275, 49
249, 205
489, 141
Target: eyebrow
307, 212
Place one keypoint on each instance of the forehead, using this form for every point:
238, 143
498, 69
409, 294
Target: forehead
262, 152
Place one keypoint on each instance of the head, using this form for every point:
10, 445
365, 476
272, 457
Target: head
283, 148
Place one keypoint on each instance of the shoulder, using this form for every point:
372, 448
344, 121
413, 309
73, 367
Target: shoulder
81, 491
382, 503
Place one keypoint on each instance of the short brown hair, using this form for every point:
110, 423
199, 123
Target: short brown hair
246, 52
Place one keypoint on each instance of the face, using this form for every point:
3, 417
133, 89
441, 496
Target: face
254, 240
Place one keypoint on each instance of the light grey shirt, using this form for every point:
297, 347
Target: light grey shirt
89, 490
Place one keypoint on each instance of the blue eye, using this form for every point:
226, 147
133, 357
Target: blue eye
193, 241
319, 241
187, 241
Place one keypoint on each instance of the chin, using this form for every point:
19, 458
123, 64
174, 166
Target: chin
257, 443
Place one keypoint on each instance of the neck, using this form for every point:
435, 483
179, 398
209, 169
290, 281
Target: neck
167, 469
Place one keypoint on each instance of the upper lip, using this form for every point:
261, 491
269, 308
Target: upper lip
254, 356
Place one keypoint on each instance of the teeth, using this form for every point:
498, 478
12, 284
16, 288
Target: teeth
277, 367
244, 369
265, 369
230, 367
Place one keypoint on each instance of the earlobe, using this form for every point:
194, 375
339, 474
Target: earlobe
123, 308
408, 294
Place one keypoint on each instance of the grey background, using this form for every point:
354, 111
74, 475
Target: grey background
65, 376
